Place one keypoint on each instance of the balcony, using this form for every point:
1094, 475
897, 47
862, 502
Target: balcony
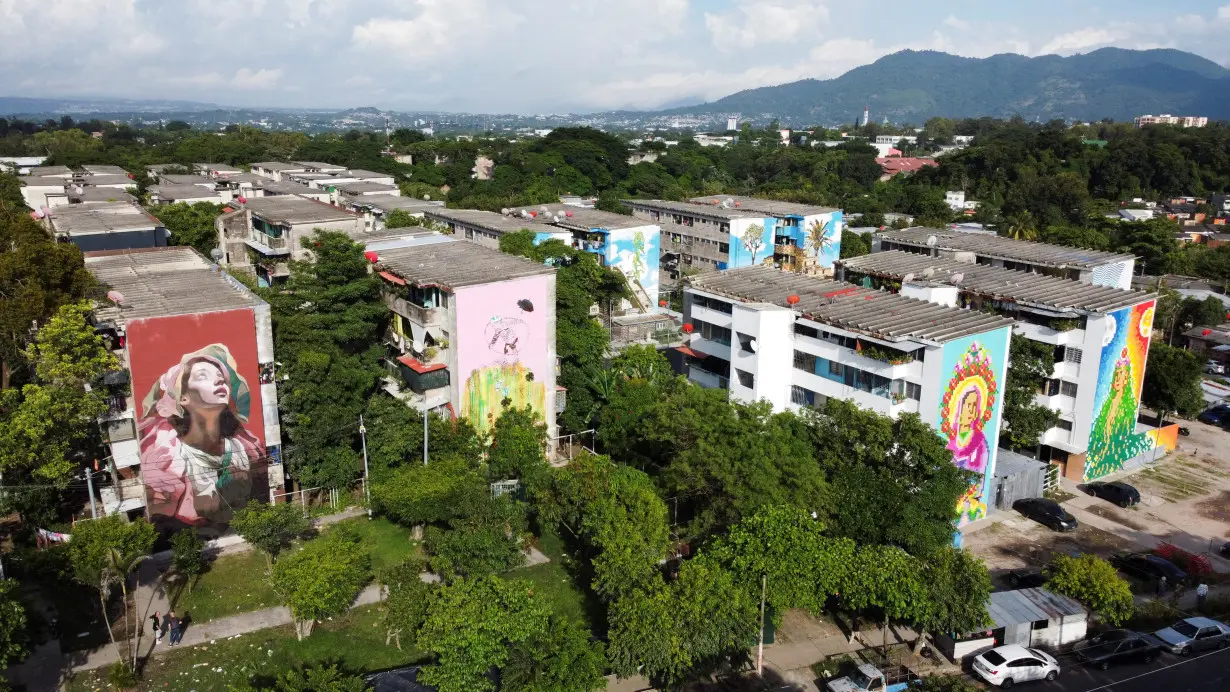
267, 244
119, 407
427, 317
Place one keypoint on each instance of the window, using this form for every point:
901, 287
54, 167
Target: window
805, 397
747, 344
836, 368
1072, 355
1049, 388
724, 248
1064, 425
913, 391
1040, 624
1067, 388
712, 332
805, 362
746, 379
803, 330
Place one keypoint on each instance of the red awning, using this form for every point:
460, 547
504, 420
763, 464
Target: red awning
689, 352
419, 367
393, 278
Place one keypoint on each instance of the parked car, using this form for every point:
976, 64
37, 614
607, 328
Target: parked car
1195, 634
1214, 367
868, 678
1225, 550
1004, 666
1119, 646
1046, 512
1215, 416
1026, 578
1149, 567
1114, 492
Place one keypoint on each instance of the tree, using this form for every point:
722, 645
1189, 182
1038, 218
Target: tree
958, 590
405, 604
191, 224
442, 490
14, 636
103, 553
327, 321
270, 528
561, 658
1172, 382
316, 678
856, 244
471, 626
1030, 364
642, 362
400, 218
518, 445
1208, 312
395, 436
485, 540
1095, 583
322, 579
186, 560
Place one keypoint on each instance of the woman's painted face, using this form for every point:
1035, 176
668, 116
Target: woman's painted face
1121, 379
206, 387
969, 411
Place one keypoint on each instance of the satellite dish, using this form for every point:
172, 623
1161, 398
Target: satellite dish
929, 272
115, 297
932, 240
216, 253
752, 345
555, 218
504, 211
956, 278
907, 278
426, 198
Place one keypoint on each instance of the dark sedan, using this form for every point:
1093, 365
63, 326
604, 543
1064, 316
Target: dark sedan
1114, 492
1150, 567
1215, 416
1046, 512
1026, 578
1119, 646
1225, 550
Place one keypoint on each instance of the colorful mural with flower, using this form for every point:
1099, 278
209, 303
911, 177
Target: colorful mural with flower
1113, 439
970, 412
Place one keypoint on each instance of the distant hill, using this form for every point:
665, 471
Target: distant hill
912, 86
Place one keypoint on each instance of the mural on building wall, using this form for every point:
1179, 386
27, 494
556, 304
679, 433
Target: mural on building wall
753, 244
636, 252
970, 413
200, 426
823, 240
502, 348
1125, 346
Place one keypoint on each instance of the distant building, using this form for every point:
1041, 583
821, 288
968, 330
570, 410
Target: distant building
894, 140
106, 226
263, 235
732, 124
484, 168
1136, 214
955, 199
188, 194
903, 165
1167, 119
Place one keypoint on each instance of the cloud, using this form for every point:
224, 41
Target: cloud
438, 29
1223, 13
248, 80
1081, 39
756, 22
959, 24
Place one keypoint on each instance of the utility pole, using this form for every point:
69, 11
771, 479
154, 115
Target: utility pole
367, 491
424, 433
89, 481
764, 580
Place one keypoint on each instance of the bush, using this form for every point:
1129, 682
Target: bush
437, 492
323, 578
121, 675
484, 543
186, 558
1095, 583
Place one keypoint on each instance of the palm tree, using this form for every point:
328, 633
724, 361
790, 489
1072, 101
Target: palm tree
119, 566
818, 238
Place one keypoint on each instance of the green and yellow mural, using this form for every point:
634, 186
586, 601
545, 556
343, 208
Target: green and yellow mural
1113, 439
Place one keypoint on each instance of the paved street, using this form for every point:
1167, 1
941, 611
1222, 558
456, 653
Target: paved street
1209, 672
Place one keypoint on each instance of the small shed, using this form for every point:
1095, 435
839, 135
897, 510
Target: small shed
1016, 478
1038, 618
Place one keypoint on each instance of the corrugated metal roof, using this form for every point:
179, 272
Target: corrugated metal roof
1030, 605
1004, 248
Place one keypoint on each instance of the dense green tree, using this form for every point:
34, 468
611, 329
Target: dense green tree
1030, 365
1094, 582
518, 445
14, 634
404, 607
270, 528
103, 553
191, 224
958, 590
486, 540
1208, 312
857, 244
395, 436
319, 678
187, 562
561, 658
443, 489
321, 579
327, 319
1172, 382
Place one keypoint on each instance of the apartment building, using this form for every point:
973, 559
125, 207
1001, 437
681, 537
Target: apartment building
472, 329
1087, 266
725, 232
1167, 119
106, 226
173, 318
276, 170
629, 244
52, 186
187, 194
375, 208
1100, 337
796, 341
265, 233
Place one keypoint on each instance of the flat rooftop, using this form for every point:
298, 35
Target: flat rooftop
764, 206
581, 218
709, 211
296, 210
286, 187
104, 170
1004, 248
320, 165
1025, 288
160, 282
878, 314
216, 167
363, 186
487, 220
452, 265
277, 166
97, 180
362, 174
37, 171
99, 194
42, 181
391, 202
184, 192
186, 179
84, 219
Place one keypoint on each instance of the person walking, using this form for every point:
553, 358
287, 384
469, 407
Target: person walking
1161, 586
176, 633
1202, 594
156, 625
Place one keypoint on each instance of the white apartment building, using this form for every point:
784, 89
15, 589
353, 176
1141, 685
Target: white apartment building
1167, 119
1088, 266
894, 140
1088, 327
955, 199
797, 341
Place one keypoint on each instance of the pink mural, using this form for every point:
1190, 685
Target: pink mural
502, 344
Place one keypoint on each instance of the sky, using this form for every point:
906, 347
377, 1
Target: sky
535, 56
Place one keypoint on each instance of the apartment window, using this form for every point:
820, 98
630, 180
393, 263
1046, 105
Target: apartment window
800, 396
836, 368
1049, 388
747, 344
1064, 425
913, 391
804, 361
806, 331
712, 332
713, 304
724, 247
1067, 388
746, 379
1072, 355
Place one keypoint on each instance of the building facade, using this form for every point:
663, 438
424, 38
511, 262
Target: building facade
797, 341
265, 233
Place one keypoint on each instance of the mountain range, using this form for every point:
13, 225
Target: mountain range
905, 87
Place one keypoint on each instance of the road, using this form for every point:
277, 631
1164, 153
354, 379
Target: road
1209, 672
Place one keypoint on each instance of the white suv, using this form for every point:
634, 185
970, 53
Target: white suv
1005, 665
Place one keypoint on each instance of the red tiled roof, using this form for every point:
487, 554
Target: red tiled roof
393, 278
419, 367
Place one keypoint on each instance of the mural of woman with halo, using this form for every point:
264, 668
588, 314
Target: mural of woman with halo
196, 453
968, 404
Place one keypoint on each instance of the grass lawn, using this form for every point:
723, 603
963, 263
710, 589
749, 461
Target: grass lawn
354, 641
235, 583
557, 584
388, 543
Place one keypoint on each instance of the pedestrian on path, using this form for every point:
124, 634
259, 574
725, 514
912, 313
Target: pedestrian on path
1202, 594
176, 633
1161, 587
156, 619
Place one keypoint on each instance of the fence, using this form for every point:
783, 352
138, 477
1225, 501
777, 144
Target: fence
316, 498
565, 448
